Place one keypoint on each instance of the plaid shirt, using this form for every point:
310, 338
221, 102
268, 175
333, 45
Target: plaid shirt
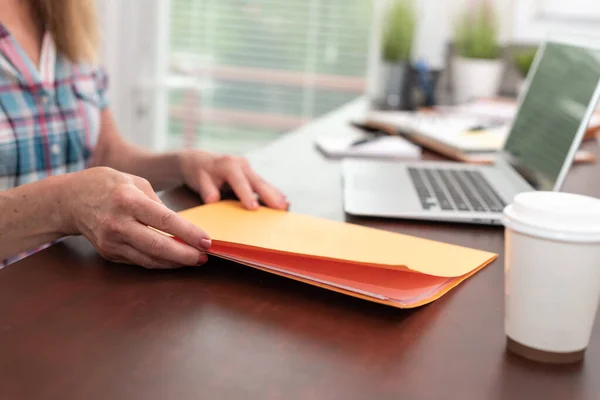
49, 116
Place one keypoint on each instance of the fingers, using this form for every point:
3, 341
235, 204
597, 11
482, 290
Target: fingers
207, 188
131, 255
160, 217
270, 196
146, 187
159, 246
237, 174
240, 185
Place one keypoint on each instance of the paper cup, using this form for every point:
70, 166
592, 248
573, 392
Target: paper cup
552, 275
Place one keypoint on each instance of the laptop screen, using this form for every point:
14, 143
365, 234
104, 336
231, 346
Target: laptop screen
552, 111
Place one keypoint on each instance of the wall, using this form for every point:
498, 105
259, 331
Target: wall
117, 20
535, 19
132, 40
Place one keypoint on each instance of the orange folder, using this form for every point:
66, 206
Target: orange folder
385, 267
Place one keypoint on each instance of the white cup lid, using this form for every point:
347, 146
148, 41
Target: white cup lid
555, 215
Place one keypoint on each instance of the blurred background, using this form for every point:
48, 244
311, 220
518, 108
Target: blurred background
233, 75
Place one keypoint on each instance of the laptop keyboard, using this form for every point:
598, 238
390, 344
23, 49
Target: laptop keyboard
455, 190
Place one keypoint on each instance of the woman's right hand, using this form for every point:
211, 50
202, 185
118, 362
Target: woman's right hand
114, 210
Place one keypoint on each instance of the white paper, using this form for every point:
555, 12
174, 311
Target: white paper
385, 147
451, 130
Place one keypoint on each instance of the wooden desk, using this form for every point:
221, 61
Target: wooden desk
75, 327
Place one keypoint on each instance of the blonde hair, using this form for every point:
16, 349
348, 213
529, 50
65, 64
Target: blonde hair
73, 25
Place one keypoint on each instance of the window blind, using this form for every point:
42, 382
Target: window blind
242, 72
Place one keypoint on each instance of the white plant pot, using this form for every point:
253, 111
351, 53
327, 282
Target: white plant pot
475, 78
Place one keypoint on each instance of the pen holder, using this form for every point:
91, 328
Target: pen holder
396, 81
404, 87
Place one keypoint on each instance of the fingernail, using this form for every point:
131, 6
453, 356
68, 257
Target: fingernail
203, 259
206, 243
254, 204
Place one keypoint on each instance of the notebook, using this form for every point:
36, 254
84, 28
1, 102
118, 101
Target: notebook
380, 266
351, 142
452, 136
385, 147
502, 111
455, 132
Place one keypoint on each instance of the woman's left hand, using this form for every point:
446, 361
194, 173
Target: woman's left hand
207, 173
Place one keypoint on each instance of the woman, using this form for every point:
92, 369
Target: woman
64, 169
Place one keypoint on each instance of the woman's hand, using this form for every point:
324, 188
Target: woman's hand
208, 173
113, 210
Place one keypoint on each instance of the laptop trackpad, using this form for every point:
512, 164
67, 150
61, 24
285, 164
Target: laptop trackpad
383, 190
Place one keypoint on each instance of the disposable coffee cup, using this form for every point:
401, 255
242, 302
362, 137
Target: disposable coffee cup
552, 275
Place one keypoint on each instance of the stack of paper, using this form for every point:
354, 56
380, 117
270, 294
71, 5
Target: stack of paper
484, 109
502, 111
454, 131
386, 147
380, 266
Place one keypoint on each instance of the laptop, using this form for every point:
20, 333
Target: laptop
555, 107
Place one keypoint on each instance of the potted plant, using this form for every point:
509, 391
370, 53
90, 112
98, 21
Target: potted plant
397, 43
523, 59
477, 66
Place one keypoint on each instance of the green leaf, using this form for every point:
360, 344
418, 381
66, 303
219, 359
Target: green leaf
523, 60
476, 32
399, 31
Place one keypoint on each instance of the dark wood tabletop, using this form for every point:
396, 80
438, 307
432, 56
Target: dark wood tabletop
73, 326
